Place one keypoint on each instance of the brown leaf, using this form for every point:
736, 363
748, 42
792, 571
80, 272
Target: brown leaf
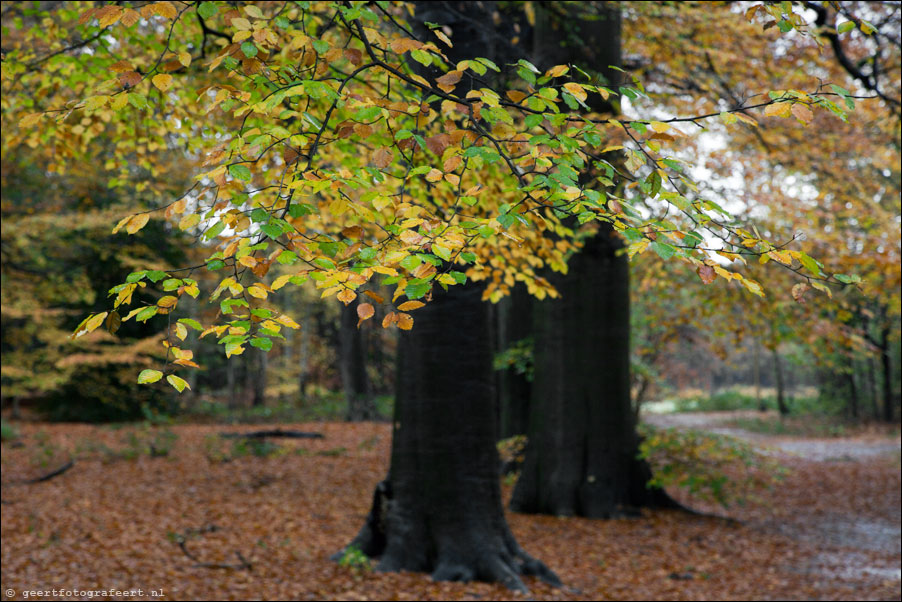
706, 273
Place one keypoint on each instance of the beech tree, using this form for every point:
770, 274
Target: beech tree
325, 157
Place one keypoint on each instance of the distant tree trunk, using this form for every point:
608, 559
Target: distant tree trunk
778, 381
872, 385
887, 374
514, 320
352, 364
256, 374
439, 510
853, 393
762, 407
582, 448
231, 383
303, 355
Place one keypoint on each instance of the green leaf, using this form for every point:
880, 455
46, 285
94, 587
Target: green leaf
417, 290
147, 313
261, 343
272, 230
191, 323
149, 376
240, 172
663, 250
207, 9
214, 231
180, 384
424, 58
810, 264
845, 26
216, 264
249, 49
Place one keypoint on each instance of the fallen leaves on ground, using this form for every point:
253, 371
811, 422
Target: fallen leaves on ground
115, 520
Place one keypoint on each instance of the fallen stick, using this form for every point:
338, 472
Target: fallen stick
274, 433
52, 474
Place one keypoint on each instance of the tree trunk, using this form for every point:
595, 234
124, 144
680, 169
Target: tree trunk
352, 363
853, 392
778, 381
514, 320
582, 447
581, 455
872, 386
439, 510
887, 375
757, 363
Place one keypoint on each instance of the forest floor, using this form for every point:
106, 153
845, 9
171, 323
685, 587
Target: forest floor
123, 519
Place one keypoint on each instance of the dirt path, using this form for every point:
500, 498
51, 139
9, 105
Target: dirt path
856, 534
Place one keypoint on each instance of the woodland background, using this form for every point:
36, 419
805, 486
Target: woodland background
776, 418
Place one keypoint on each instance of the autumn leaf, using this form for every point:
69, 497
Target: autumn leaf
365, 311
137, 222
162, 81
346, 296
706, 273
777, 109
383, 157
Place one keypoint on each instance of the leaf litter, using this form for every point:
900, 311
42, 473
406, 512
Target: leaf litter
262, 525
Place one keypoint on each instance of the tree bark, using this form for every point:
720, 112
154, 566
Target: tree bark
582, 447
439, 510
581, 455
514, 320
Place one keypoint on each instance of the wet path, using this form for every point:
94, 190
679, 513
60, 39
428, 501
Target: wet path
856, 534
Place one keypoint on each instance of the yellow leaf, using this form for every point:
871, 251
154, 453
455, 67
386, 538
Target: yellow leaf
659, 127
254, 11
30, 119
441, 35
778, 109
239, 23
753, 287
189, 221
137, 222
576, 90
181, 331
165, 9
557, 71
167, 301
95, 322
405, 321
119, 102
281, 281
286, 321
411, 305
92, 103
256, 291
434, 175
162, 81
248, 261
121, 223
185, 58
